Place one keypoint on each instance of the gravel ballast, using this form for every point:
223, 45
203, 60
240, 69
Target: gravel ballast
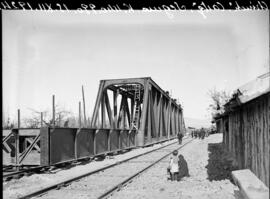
199, 185
207, 164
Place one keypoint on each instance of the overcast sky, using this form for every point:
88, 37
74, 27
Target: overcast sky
55, 53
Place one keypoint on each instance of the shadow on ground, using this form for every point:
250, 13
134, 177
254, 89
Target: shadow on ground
183, 168
219, 164
238, 195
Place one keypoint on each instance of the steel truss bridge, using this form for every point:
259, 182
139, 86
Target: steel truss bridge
128, 113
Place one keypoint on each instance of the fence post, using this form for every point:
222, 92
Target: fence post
53, 109
84, 115
80, 121
17, 142
41, 119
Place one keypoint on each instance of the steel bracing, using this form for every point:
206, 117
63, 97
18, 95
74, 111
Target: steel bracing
154, 114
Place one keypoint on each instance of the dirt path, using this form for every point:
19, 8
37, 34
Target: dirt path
209, 176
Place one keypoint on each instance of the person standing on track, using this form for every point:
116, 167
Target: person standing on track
174, 167
180, 137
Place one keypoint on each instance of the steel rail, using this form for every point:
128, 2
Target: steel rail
24, 171
6, 167
121, 184
57, 185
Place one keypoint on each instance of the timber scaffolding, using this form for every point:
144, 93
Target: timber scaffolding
128, 113
245, 127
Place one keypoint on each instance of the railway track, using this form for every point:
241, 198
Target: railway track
6, 168
24, 172
103, 182
10, 172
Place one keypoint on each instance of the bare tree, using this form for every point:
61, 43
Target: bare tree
61, 118
33, 122
7, 124
219, 99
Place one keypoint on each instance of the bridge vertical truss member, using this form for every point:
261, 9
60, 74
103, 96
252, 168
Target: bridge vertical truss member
140, 104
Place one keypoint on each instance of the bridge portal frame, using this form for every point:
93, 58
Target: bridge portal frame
161, 117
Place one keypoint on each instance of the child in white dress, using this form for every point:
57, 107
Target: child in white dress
174, 168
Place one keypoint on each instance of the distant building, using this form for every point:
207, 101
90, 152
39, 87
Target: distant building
245, 126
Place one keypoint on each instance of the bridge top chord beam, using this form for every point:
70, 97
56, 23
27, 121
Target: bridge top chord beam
142, 80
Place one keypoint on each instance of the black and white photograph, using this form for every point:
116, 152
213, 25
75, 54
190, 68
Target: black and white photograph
137, 104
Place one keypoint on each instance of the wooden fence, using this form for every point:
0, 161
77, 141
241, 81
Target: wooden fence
246, 135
